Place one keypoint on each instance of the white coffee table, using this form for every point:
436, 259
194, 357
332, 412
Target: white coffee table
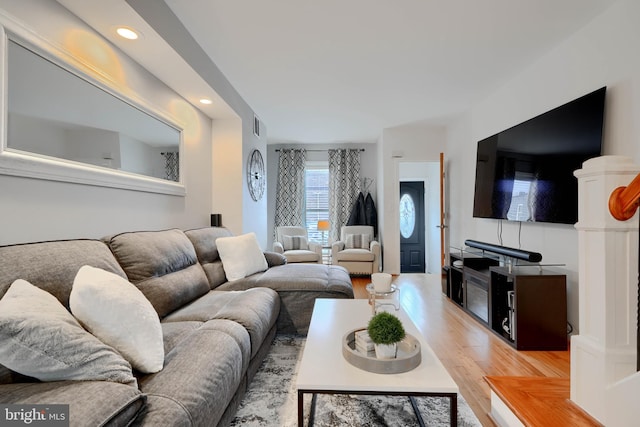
324, 370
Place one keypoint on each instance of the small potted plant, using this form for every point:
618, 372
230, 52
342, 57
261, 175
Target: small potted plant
385, 330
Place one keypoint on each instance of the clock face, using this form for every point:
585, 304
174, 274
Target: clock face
255, 175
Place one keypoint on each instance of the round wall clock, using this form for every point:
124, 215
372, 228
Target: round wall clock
255, 175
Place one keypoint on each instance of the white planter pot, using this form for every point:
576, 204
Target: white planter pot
386, 351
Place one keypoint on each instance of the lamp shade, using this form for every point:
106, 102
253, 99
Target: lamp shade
323, 225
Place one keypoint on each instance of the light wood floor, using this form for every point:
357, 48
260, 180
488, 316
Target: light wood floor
467, 349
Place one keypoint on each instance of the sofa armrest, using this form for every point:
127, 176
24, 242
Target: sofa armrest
91, 403
315, 247
278, 248
274, 259
376, 249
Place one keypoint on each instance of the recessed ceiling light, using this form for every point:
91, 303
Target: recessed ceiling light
127, 33
206, 101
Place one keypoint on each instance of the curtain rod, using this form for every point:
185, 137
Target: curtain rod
359, 149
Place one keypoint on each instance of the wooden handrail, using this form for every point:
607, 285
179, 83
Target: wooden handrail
623, 201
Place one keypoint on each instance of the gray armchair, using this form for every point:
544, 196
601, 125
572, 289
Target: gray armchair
294, 244
357, 250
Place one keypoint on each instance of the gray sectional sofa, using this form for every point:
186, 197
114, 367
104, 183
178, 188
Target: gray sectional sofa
215, 332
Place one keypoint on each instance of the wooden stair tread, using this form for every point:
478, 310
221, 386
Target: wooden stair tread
540, 401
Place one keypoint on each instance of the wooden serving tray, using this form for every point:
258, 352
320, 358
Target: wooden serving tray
409, 356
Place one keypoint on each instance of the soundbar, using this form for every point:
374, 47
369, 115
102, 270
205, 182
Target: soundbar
504, 250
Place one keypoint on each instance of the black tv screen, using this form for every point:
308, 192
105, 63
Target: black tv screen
525, 173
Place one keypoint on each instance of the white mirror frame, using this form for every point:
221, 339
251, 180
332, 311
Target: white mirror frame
31, 165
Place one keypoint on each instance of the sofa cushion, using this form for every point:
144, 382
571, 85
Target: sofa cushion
201, 375
331, 279
41, 339
298, 286
116, 312
91, 403
174, 332
163, 265
255, 309
302, 256
241, 256
52, 266
364, 255
204, 242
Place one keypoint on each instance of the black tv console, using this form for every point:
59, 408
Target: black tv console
509, 292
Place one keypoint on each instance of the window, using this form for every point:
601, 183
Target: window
519, 208
316, 197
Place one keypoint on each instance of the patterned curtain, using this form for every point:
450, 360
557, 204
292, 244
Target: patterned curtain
172, 166
344, 187
290, 191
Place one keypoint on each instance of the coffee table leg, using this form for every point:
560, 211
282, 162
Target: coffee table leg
312, 412
454, 409
300, 408
414, 404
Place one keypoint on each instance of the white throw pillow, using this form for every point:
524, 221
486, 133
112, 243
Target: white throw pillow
292, 243
117, 312
41, 339
241, 256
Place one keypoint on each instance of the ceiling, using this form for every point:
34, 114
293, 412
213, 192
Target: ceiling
344, 70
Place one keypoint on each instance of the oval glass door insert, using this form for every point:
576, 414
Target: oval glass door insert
407, 216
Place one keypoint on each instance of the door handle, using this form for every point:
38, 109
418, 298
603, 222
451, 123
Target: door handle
442, 226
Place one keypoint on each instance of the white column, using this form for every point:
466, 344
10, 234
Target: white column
604, 352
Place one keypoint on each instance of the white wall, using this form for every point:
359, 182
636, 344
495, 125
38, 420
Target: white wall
231, 198
604, 53
428, 173
40, 210
415, 143
254, 212
227, 177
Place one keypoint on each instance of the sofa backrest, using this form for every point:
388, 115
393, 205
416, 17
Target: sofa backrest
356, 229
52, 266
204, 242
288, 230
163, 265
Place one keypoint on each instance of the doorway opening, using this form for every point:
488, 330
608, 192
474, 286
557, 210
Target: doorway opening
427, 174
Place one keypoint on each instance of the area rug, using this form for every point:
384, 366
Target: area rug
272, 400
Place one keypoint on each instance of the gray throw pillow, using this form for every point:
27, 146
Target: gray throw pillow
274, 259
358, 241
41, 339
292, 243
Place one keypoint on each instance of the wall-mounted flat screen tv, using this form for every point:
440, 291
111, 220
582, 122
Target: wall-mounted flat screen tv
525, 173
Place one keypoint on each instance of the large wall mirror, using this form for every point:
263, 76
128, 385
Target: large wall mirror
61, 124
